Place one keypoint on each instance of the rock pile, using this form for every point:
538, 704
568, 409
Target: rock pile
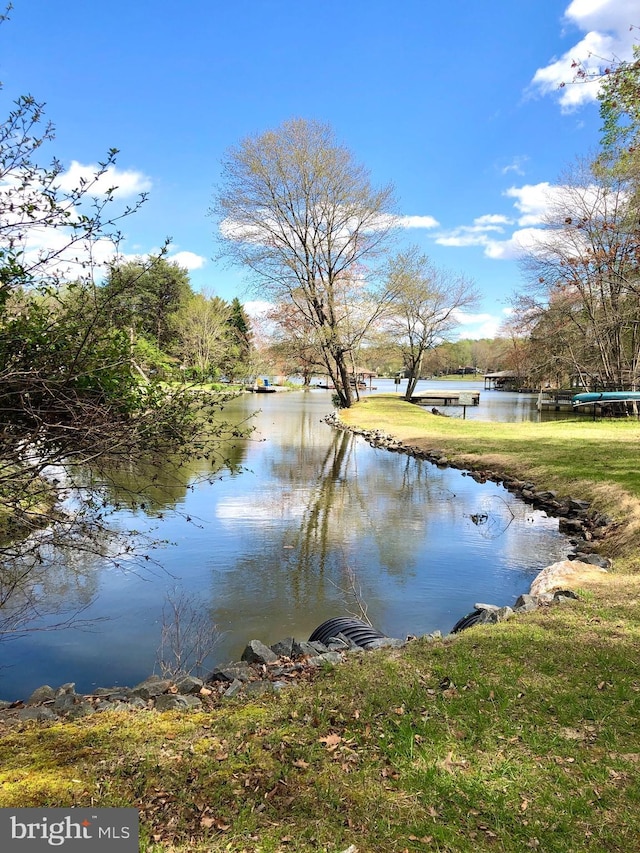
261, 669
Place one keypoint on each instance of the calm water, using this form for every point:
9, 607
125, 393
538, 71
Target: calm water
269, 552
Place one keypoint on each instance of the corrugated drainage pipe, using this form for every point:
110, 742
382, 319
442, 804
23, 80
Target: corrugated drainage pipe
467, 621
355, 629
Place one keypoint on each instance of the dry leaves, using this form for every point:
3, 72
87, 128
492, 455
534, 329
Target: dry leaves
331, 741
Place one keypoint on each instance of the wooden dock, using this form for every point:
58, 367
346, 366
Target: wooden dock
555, 400
447, 398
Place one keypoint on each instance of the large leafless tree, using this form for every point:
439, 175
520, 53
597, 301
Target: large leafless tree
584, 276
302, 215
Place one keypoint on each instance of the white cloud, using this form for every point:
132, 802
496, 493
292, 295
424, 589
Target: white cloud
532, 201
417, 222
490, 221
517, 165
520, 242
127, 182
476, 326
608, 37
259, 232
188, 260
477, 234
257, 308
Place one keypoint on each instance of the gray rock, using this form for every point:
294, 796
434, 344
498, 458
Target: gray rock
320, 648
64, 703
526, 603
277, 671
137, 703
36, 713
283, 648
4, 704
113, 692
257, 652
336, 645
232, 671
177, 702
504, 614
331, 658
570, 525
385, 643
68, 688
80, 709
257, 688
41, 694
151, 687
303, 649
490, 608
562, 595
105, 705
350, 643
577, 505
189, 684
234, 688
595, 560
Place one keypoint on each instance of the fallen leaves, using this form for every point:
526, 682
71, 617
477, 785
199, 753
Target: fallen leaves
331, 741
208, 822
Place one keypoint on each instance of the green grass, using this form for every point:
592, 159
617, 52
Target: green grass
515, 737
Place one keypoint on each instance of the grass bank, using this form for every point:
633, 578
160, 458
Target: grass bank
515, 737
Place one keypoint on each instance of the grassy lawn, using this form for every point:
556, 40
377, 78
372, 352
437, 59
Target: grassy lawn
515, 737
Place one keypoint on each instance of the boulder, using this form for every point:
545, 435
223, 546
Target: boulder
36, 713
283, 648
189, 684
151, 687
386, 643
257, 652
240, 671
525, 603
177, 702
566, 574
41, 694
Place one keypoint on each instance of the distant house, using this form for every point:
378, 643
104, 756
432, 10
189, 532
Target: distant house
504, 380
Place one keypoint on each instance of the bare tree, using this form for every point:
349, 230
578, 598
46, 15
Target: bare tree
300, 213
188, 637
584, 269
426, 300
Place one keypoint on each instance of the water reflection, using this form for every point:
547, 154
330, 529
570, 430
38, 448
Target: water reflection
271, 551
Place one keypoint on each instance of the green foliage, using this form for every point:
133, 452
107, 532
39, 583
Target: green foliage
145, 295
80, 369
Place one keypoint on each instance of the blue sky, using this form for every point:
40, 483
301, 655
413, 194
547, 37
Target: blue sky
457, 104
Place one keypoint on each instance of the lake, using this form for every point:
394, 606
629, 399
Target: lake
276, 548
